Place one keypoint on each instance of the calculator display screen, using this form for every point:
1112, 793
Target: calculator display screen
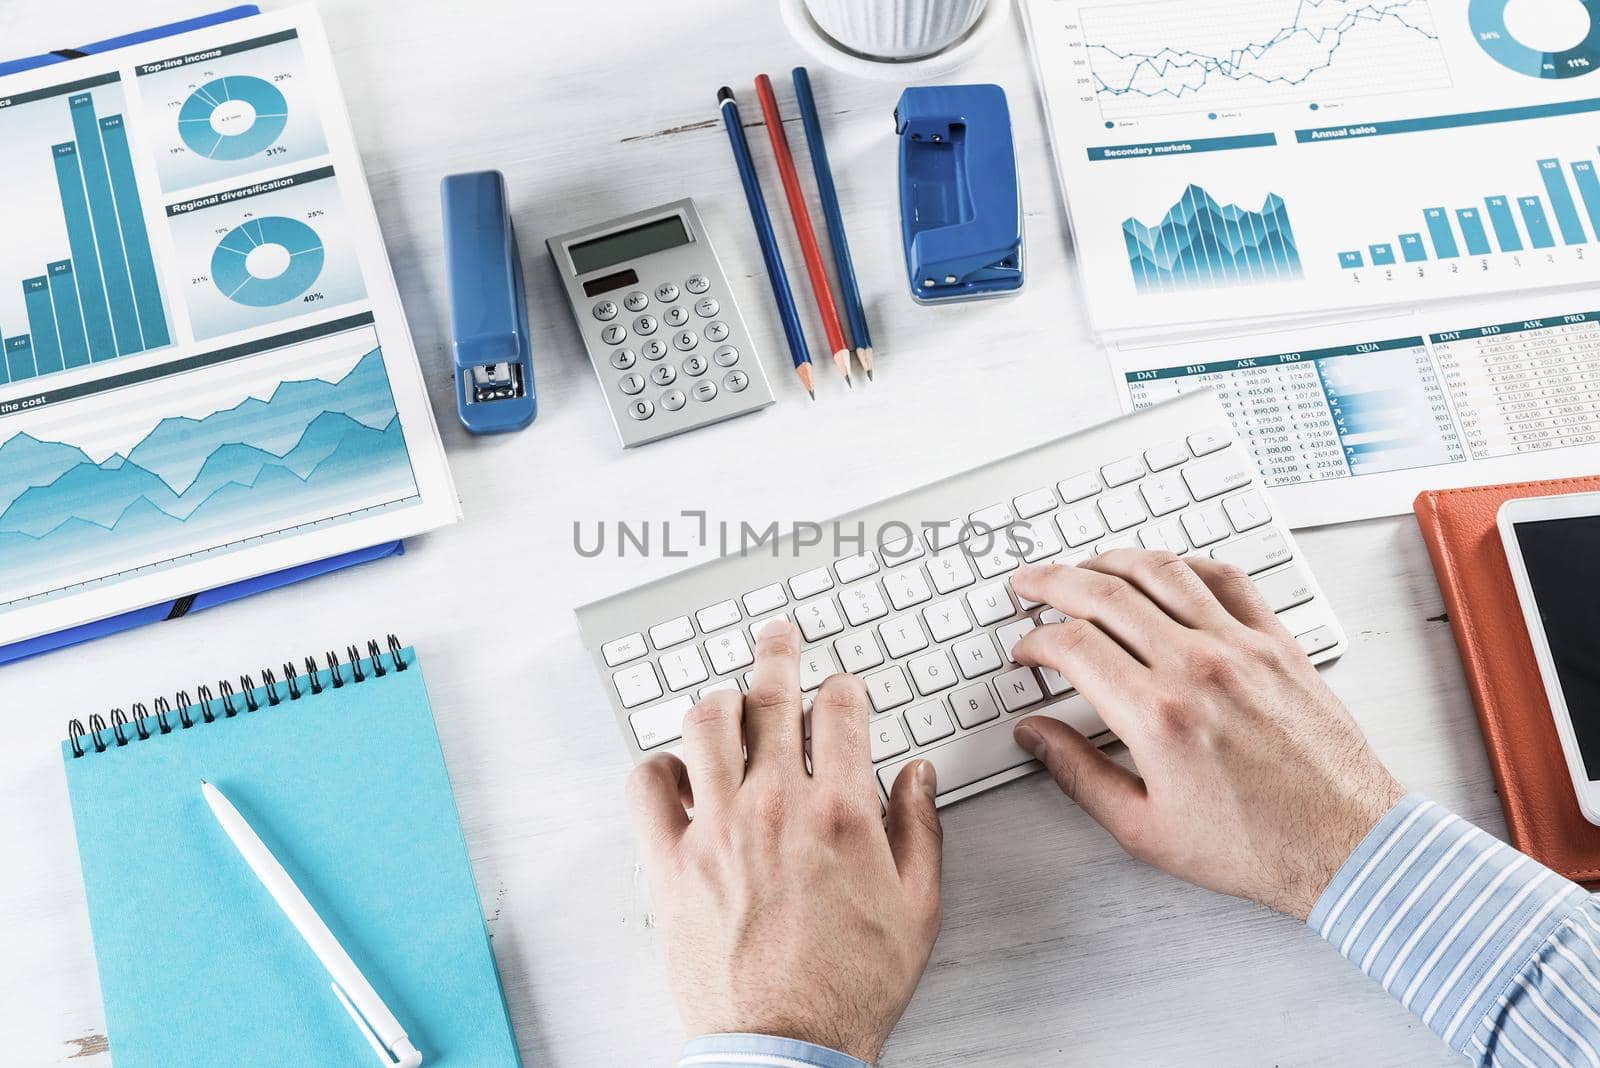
1564, 571
624, 245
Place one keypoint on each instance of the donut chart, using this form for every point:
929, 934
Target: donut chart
232, 118
1488, 21
275, 237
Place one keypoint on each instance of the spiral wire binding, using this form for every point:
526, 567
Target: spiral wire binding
361, 669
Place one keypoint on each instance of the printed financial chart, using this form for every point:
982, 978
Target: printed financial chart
90, 291
230, 111
127, 478
261, 254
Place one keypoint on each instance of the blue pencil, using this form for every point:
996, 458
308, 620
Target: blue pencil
769, 241
835, 219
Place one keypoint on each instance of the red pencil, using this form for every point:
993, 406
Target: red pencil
802, 226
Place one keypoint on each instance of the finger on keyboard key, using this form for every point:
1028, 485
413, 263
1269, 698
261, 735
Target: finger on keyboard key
1285, 588
929, 722
933, 672
858, 652
975, 705
990, 604
947, 619
1254, 552
1121, 541
660, 724
888, 738
730, 685
757, 625
729, 651
1219, 474
888, 689
1011, 634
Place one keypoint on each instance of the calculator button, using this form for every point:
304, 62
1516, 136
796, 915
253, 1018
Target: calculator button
697, 283
686, 339
631, 384
666, 292
614, 334
676, 315
694, 365
604, 310
664, 374
645, 324
653, 349
673, 399
735, 381
636, 301
705, 391
726, 356
706, 307
623, 359
717, 331
641, 409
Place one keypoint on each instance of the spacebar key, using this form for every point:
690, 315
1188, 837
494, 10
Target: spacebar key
965, 760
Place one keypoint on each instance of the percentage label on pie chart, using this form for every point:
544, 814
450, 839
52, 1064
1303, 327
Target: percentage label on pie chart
1539, 38
266, 262
233, 118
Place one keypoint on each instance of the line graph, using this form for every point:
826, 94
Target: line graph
1216, 55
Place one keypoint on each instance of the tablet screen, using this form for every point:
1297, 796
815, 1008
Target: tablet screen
1562, 557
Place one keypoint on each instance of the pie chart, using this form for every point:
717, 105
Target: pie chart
232, 118
1577, 54
266, 262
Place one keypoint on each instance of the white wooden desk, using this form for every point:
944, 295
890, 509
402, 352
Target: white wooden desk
1056, 947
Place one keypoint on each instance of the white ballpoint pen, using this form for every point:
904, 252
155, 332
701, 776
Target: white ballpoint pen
382, 1031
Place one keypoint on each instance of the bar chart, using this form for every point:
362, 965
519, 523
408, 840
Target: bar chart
95, 295
1556, 217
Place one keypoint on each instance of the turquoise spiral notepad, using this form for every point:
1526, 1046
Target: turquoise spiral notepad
337, 767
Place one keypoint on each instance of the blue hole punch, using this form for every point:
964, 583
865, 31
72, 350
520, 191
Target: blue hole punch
960, 209
488, 306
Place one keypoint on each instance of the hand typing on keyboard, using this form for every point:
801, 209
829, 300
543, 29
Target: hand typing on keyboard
789, 906
1252, 779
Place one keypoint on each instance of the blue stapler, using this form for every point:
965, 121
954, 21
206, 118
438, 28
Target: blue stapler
960, 211
488, 305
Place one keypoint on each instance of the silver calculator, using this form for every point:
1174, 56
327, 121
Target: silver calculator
657, 315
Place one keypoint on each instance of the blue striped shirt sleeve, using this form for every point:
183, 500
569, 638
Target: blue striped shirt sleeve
761, 1051
1495, 953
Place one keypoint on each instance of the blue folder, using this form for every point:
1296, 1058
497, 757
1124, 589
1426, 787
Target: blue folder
235, 590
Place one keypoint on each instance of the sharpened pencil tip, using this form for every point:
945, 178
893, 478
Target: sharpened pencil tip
204, 783
869, 376
849, 383
811, 393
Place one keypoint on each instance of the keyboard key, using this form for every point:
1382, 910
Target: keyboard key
942, 535
1168, 536
1163, 494
1254, 552
670, 633
637, 684
810, 583
1205, 525
1037, 541
1246, 510
1209, 440
1025, 603
1284, 589
1317, 640
997, 558
907, 587
1121, 541
624, 649
765, 599
1121, 510
976, 656
715, 617
858, 652
856, 567
994, 517
974, 705
1035, 502
1079, 526
888, 689
1055, 684
946, 620
950, 571
683, 668
933, 673
990, 604
731, 685
1011, 634
1120, 472
1167, 454
902, 636
888, 738
660, 724
1078, 487
819, 619
863, 604
815, 665
901, 551
929, 722
1218, 475
1052, 615
1018, 689
729, 651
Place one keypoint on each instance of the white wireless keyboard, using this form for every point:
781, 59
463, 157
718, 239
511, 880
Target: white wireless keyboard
928, 620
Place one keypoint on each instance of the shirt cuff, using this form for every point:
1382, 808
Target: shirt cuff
1444, 916
766, 1051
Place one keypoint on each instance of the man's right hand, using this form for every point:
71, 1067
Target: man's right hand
1252, 778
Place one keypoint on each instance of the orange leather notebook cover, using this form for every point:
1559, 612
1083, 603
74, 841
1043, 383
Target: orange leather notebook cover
1529, 769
